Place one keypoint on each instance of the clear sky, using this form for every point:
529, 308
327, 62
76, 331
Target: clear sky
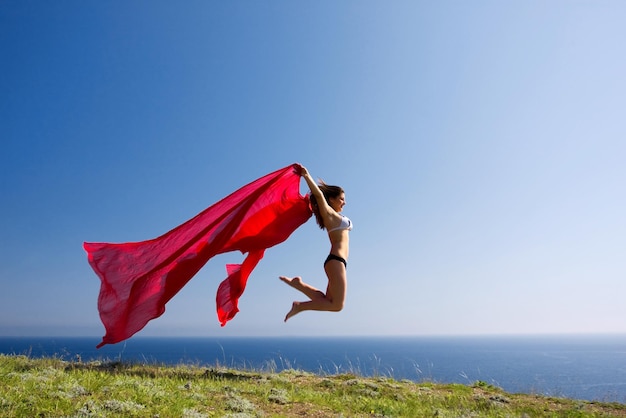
482, 147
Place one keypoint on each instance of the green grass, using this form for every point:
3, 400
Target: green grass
51, 387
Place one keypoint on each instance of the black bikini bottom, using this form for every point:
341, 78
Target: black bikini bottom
336, 257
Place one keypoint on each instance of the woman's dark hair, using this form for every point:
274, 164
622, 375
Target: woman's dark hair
329, 192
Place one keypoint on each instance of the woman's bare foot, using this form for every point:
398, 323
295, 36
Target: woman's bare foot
295, 282
295, 309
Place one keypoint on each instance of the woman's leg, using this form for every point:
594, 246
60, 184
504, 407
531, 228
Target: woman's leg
308, 290
335, 296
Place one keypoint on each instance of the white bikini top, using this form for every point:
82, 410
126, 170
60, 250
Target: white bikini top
345, 224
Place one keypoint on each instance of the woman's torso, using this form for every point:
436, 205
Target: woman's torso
339, 236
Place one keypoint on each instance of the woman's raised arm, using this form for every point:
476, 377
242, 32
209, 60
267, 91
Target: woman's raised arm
325, 209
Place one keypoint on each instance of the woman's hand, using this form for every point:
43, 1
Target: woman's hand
303, 171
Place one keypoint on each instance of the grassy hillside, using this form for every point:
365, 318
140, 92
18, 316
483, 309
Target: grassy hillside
51, 387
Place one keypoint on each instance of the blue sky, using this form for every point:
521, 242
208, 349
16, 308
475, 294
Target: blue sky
481, 147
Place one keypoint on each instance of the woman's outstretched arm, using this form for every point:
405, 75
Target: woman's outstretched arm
325, 209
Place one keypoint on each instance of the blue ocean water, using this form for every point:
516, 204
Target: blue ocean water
578, 367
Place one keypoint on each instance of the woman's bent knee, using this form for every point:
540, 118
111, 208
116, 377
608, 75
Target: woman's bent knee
336, 307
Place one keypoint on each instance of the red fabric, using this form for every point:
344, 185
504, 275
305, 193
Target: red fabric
139, 278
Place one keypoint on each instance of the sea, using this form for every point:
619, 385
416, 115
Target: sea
585, 367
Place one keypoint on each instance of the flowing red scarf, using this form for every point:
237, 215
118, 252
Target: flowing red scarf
139, 278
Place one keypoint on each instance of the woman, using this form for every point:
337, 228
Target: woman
327, 202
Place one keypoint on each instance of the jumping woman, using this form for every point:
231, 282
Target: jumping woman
327, 203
